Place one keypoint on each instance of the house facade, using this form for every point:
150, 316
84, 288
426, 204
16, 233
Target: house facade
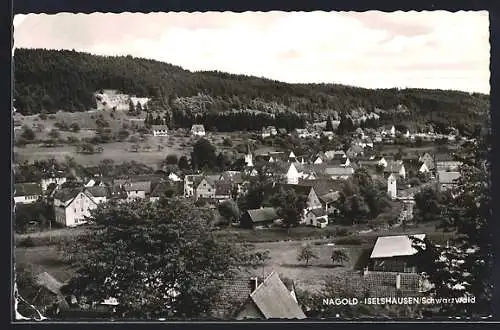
137, 190
198, 130
46, 182
160, 130
72, 206
395, 254
27, 193
339, 172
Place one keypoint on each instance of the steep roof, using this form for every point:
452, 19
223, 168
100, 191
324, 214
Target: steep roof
318, 212
159, 127
27, 189
67, 194
394, 166
274, 300
394, 246
222, 188
160, 189
299, 189
323, 186
264, 214
330, 197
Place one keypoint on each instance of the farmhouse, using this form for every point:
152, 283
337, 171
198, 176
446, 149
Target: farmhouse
264, 216
160, 130
26, 193
428, 160
316, 218
161, 189
72, 206
99, 193
292, 175
339, 172
269, 131
328, 200
189, 181
395, 254
198, 130
204, 188
138, 189
333, 154
447, 180
447, 162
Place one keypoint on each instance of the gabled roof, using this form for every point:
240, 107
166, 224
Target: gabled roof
274, 300
222, 188
138, 186
299, 189
339, 170
159, 127
330, 154
263, 214
394, 166
319, 212
117, 192
27, 189
330, 197
67, 194
232, 176
198, 128
448, 177
394, 246
323, 186
160, 189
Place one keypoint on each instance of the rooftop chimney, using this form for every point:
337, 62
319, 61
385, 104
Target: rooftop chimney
254, 282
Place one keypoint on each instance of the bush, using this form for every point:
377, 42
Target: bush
350, 240
27, 242
28, 134
227, 142
54, 133
172, 159
342, 232
42, 116
74, 127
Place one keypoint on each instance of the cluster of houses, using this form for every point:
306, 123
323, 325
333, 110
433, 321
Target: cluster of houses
162, 130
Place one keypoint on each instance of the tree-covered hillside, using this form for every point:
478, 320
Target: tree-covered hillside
51, 80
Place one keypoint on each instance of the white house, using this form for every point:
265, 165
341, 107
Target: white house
174, 177
423, 168
98, 193
198, 130
293, 175
72, 206
26, 193
393, 131
292, 156
382, 162
339, 172
160, 130
137, 190
316, 217
318, 160
249, 160
45, 183
392, 186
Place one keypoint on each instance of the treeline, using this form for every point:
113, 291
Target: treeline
237, 121
52, 80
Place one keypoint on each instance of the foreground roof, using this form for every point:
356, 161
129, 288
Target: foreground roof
395, 246
263, 214
27, 189
274, 301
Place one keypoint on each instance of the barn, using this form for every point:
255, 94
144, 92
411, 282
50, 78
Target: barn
395, 254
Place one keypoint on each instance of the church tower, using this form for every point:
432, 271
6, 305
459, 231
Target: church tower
391, 186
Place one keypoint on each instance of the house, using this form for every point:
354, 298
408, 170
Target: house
292, 157
339, 172
447, 162
395, 254
395, 167
189, 181
316, 218
26, 193
99, 194
447, 180
428, 160
328, 134
392, 132
354, 151
249, 160
137, 189
303, 133
271, 300
174, 177
57, 180
264, 216
204, 188
265, 132
328, 200
198, 130
333, 154
292, 175
117, 193
223, 191
422, 168
392, 190
72, 206
160, 189
160, 130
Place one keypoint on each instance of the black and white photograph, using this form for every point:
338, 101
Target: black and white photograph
224, 166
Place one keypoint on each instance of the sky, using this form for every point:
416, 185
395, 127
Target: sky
437, 49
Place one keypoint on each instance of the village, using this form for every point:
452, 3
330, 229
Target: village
317, 178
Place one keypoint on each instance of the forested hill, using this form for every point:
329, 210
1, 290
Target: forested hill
51, 80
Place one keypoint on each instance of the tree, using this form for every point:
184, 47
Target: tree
339, 256
203, 155
306, 253
54, 133
229, 210
131, 107
428, 205
158, 259
329, 125
183, 163
28, 134
74, 127
290, 206
465, 267
135, 147
171, 159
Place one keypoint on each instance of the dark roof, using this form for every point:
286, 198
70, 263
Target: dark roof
160, 189
330, 197
274, 300
67, 194
159, 127
27, 189
139, 186
319, 212
233, 293
263, 214
299, 189
98, 191
393, 166
324, 186
232, 176
222, 188
117, 192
